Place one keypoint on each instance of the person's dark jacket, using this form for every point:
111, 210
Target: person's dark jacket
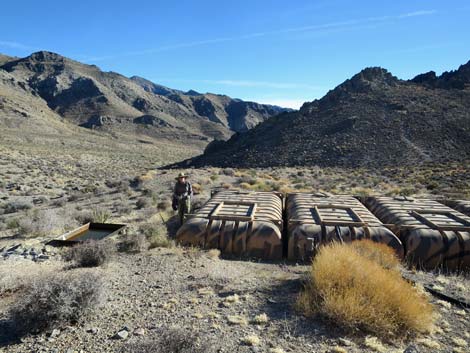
181, 191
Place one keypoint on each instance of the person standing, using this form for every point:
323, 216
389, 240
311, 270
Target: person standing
182, 194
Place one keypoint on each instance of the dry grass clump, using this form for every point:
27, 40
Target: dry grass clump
157, 235
91, 253
355, 291
251, 340
100, 215
57, 298
134, 243
260, 319
171, 341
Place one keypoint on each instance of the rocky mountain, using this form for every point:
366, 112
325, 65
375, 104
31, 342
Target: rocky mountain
373, 119
46, 83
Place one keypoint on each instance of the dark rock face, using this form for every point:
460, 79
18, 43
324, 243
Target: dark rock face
151, 120
98, 121
141, 104
458, 79
371, 120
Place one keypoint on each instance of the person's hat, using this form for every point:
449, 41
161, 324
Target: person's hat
182, 175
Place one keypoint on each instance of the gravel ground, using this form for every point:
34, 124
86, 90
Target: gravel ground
217, 299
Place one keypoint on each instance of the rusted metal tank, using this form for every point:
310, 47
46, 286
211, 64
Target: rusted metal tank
315, 219
433, 234
459, 205
239, 223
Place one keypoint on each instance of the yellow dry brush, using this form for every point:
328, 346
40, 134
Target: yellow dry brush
359, 286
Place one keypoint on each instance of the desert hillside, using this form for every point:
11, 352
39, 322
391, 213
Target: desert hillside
46, 88
371, 120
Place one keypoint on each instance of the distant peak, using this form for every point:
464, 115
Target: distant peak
367, 80
375, 74
192, 92
46, 56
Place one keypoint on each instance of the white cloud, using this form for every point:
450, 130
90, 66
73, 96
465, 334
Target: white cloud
245, 83
15, 45
418, 13
346, 25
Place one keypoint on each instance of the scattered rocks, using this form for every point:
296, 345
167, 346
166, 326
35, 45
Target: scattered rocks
22, 252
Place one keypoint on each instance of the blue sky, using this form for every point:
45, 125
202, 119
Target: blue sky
279, 52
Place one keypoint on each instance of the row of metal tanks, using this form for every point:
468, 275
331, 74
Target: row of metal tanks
266, 225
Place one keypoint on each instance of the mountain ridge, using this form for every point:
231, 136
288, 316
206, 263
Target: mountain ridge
372, 119
86, 96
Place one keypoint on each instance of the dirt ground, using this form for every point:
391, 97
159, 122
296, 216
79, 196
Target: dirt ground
219, 299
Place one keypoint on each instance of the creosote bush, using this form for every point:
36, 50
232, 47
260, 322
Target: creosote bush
359, 287
91, 253
58, 298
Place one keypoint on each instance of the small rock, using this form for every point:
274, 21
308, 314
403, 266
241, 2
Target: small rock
55, 332
121, 335
345, 342
139, 332
93, 330
411, 349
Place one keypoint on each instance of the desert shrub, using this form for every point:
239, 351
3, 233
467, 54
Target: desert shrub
15, 206
134, 243
197, 188
358, 293
13, 223
157, 235
57, 298
247, 179
83, 217
171, 341
122, 209
227, 172
100, 215
44, 222
60, 202
91, 253
163, 205
143, 202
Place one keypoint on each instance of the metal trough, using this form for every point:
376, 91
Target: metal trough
89, 231
433, 234
314, 220
239, 223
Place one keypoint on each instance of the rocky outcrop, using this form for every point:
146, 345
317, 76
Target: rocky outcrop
373, 119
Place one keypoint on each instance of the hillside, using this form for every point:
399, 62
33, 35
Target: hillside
373, 119
47, 84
